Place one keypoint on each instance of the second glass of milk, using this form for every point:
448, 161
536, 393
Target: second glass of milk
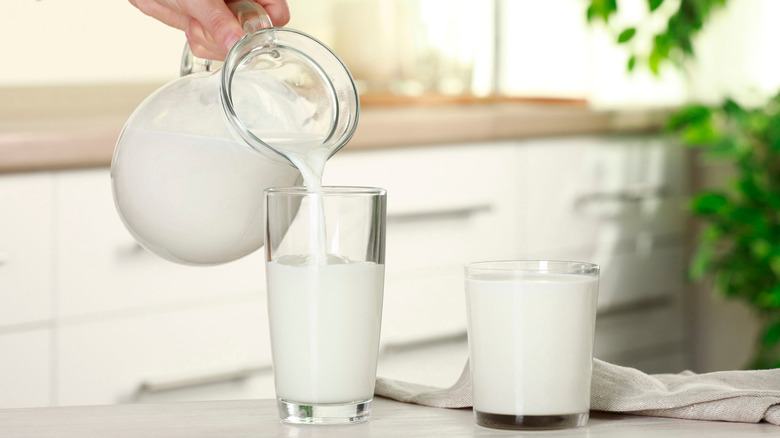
325, 276
530, 328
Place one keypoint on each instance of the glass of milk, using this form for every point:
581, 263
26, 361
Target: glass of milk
325, 275
530, 333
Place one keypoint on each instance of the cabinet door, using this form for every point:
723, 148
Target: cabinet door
594, 191
25, 365
170, 355
102, 269
447, 205
26, 210
652, 338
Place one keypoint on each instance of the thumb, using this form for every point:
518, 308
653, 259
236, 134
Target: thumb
217, 21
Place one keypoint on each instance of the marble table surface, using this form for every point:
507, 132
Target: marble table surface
258, 418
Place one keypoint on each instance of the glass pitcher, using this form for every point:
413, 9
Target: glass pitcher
192, 161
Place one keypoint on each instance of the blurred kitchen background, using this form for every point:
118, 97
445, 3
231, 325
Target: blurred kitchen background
501, 129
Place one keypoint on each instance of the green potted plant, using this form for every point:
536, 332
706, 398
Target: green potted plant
738, 246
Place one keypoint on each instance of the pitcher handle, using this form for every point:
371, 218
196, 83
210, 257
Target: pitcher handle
251, 16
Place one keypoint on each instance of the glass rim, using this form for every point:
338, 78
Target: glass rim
534, 266
326, 190
245, 46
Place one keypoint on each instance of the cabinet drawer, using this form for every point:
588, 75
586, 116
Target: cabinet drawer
642, 335
102, 268
446, 238
26, 220
109, 361
582, 188
423, 304
635, 277
25, 369
431, 178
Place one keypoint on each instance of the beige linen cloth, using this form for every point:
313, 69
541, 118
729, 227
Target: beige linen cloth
741, 396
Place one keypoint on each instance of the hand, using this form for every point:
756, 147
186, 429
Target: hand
211, 29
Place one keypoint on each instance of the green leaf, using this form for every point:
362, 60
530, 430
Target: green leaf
601, 8
724, 148
701, 262
699, 133
750, 190
654, 4
695, 124
689, 114
723, 281
760, 248
662, 44
774, 263
653, 61
632, 64
626, 35
710, 234
768, 301
751, 222
684, 43
709, 203
732, 108
772, 334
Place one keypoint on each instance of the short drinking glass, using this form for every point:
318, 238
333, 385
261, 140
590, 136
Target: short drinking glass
530, 333
325, 277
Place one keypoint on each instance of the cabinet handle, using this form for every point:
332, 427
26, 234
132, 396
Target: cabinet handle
637, 306
635, 193
424, 343
156, 386
442, 214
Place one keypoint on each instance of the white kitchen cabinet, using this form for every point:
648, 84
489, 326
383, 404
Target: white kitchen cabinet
102, 269
650, 330
26, 241
25, 368
129, 326
596, 191
154, 354
127, 317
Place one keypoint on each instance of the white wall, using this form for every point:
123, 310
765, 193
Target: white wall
548, 48
551, 50
84, 41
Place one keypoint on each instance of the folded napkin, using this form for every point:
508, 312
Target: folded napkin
740, 396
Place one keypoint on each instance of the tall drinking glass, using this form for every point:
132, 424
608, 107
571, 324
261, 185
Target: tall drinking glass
325, 276
530, 330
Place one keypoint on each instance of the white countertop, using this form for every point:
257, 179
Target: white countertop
258, 418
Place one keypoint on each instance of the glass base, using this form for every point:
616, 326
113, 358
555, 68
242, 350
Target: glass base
324, 413
530, 422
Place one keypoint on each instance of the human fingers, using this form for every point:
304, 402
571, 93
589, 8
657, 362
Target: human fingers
217, 22
202, 44
278, 11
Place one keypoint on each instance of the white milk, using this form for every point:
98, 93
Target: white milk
324, 328
193, 198
312, 165
531, 342
325, 311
